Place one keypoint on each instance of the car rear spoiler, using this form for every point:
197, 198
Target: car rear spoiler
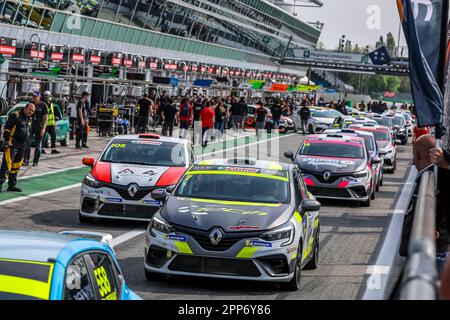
99, 236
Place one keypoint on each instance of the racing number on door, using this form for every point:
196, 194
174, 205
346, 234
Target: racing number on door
102, 281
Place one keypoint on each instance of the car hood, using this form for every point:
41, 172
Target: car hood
324, 120
332, 164
204, 214
144, 176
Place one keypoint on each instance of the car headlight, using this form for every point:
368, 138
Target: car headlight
160, 225
286, 232
90, 181
364, 174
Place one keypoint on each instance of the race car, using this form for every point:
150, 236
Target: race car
374, 151
336, 166
346, 121
120, 183
236, 219
385, 142
71, 265
321, 119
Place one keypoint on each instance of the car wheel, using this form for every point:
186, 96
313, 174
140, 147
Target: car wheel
381, 182
377, 188
66, 141
373, 195
294, 283
84, 219
404, 141
366, 203
314, 262
154, 276
311, 129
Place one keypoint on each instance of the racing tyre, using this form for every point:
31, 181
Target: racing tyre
314, 262
154, 276
377, 188
294, 283
84, 219
373, 195
366, 203
66, 141
405, 141
310, 129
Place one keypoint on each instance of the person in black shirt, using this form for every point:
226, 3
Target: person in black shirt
277, 111
305, 114
16, 138
198, 106
162, 103
261, 117
145, 112
38, 129
242, 112
168, 117
82, 119
234, 112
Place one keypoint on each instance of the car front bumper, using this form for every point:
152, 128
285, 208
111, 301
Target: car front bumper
183, 255
107, 203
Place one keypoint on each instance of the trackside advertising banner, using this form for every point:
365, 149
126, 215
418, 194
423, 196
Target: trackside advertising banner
422, 27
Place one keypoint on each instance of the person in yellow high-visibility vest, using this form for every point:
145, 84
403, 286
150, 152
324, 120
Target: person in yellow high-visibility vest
51, 131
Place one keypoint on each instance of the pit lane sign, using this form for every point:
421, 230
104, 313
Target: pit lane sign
8, 46
78, 55
56, 53
329, 55
37, 50
95, 57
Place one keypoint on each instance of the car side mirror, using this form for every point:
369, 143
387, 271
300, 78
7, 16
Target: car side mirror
382, 152
376, 160
159, 194
88, 162
309, 205
289, 155
170, 189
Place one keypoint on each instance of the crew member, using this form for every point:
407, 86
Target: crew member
38, 129
50, 122
305, 114
145, 112
15, 140
82, 121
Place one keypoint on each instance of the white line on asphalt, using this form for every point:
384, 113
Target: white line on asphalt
380, 272
40, 194
126, 237
50, 172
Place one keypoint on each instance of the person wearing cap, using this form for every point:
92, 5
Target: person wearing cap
50, 122
261, 117
82, 119
38, 128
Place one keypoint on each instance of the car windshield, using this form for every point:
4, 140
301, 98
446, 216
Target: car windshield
25, 280
398, 121
368, 140
219, 183
384, 122
338, 149
325, 113
407, 116
145, 152
380, 135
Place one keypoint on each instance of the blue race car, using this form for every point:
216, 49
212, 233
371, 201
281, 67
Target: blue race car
65, 266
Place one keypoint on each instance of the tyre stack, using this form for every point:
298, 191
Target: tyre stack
4, 107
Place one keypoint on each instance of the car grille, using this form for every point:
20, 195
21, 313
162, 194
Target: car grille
127, 211
333, 178
329, 192
228, 240
123, 191
219, 266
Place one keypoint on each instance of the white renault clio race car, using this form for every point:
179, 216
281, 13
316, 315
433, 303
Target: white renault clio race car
120, 182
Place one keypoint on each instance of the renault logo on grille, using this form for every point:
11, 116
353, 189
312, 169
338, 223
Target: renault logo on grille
132, 190
326, 175
215, 236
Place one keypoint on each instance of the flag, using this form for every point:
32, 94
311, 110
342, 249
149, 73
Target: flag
421, 22
380, 56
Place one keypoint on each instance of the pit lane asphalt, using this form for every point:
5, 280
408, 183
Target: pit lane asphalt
351, 238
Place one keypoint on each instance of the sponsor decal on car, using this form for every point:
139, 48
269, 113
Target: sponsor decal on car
114, 200
157, 202
203, 210
292, 249
239, 169
328, 162
176, 237
156, 143
257, 243
241, 228
126, 171
95, 191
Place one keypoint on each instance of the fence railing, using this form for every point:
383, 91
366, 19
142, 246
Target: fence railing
419, 280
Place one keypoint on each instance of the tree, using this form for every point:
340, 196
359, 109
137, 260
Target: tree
390, 43
321, 46
405, 85
392, 83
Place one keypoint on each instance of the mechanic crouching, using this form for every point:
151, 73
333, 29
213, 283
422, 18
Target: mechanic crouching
15, 139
